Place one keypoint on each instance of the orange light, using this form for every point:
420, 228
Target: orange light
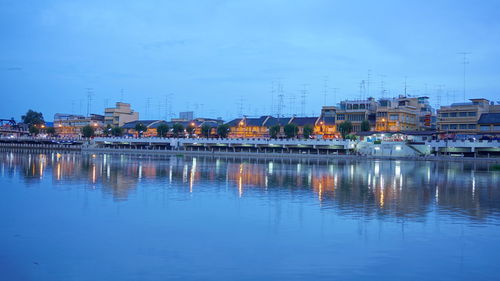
192, 124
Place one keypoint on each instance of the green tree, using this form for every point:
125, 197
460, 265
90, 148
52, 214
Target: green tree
34, 130
345, 128
190, 129
50, 131
117, 132
274, 131
162, 130
140, 128
177, 129
33, 118
290, 130
88, 131
223, 130
205, 130
365, 126
108, 130
307, 131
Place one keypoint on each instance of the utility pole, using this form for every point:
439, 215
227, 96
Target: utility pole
465, 62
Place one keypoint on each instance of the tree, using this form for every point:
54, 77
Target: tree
190, 129
307, 131
88, 131
205, 130
162, 130
51, 131
117, 131
33, 118
108, 130
223, 130
177, 129
345, 128
140, 128
34, 130
290, 130
274, 131
365, 126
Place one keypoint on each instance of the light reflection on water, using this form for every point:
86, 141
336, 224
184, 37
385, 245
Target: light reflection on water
341, 204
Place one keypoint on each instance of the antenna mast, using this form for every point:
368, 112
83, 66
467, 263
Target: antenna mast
465, 62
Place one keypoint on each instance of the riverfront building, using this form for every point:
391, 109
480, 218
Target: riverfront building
120, 114
70, 125
404, 114
463, 118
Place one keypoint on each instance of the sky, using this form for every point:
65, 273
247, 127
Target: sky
230, 58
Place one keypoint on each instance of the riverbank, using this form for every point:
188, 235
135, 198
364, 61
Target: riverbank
270, 155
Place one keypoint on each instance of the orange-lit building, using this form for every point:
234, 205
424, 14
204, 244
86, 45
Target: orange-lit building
70, 125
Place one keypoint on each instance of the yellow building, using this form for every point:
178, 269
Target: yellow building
463, 117
119, 115
70, 125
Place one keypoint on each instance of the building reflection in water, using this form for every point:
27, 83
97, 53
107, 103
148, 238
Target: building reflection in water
360, 188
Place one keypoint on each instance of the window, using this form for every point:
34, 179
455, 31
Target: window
472, 126
462, 114
444, 127
394, 117
444, 115
463, 126
453, 114
484, 128
453, 126
496, 128
472, 113
340, 117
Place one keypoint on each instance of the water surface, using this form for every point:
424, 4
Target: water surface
117, 217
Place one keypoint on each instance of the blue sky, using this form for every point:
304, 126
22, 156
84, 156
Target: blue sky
212, 56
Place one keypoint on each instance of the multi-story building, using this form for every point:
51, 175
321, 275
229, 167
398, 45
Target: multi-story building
489, 123
356, 111
404, 114
462, 118
119, 115
70, 125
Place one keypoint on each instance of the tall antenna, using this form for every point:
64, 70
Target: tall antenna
303, 97
362, 89
406, 86
291, 104
368, 81
465, 62
281, 102
382, 86
325, 89
439, 92
89, 100
240, 107
335, 94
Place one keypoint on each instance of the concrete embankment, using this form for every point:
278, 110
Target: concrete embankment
268, 155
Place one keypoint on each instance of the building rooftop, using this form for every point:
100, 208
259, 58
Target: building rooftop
147, 123
489, 118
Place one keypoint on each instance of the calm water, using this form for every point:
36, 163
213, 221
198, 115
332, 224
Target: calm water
112, 217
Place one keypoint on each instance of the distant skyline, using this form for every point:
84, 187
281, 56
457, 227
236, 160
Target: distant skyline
220, 58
